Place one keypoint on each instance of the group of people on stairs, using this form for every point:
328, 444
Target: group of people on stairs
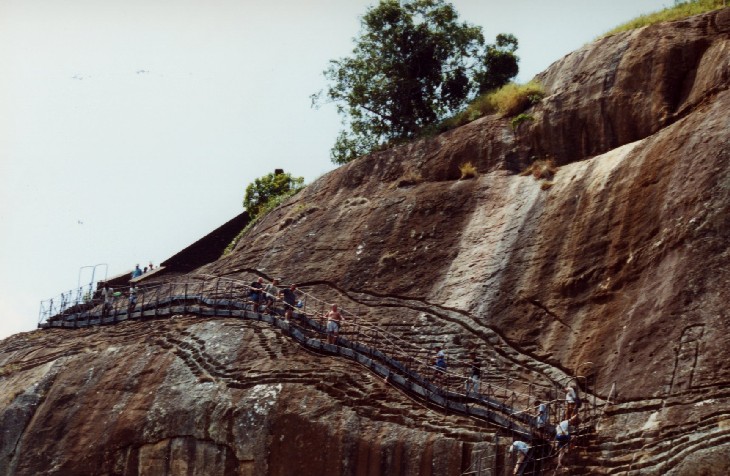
265, 297
562, 442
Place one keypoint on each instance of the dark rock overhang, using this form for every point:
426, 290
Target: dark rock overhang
207, 249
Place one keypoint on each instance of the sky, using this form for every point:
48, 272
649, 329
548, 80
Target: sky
130, 129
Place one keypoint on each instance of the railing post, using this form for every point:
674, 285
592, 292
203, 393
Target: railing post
89, 313
392, 348
227, 295
489, 398
197, 298
215, 296
185, 299
357, 332
224, 296
230, 298
86, 310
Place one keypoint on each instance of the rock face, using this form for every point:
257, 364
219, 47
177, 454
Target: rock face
195, 396
614, 270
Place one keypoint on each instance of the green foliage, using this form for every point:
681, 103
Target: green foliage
512, 98
500, 62
263, 195
270, 204
508, 100
413, 64
677, 12
264, 191
520, 118
235, 241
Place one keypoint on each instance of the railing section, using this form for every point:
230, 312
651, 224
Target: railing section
220, 296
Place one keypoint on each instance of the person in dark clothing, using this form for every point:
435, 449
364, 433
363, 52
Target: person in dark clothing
289, 296
255, 292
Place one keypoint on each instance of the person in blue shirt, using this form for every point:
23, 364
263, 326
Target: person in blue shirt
439, 369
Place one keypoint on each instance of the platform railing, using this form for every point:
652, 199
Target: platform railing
513, 398
68, 302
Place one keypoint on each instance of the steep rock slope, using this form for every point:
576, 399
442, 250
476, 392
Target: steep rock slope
615, 270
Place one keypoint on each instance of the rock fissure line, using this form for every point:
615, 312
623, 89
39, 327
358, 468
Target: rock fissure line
290, 376
540, 305
424, 306
558, 374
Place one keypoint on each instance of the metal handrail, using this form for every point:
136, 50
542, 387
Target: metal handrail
228, 293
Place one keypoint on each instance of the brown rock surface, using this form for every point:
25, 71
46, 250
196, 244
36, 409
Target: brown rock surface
210, 396
616, 270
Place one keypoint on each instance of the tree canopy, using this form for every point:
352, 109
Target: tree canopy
263, 191
414, 63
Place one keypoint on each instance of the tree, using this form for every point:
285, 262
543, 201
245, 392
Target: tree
413, 64
500, 64
264, 191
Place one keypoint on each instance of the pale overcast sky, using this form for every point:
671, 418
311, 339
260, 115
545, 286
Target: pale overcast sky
129, 129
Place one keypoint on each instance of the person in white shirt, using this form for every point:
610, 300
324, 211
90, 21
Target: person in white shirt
271, 294
108, 294
521, 448
132, 299
570, 399
541, 415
